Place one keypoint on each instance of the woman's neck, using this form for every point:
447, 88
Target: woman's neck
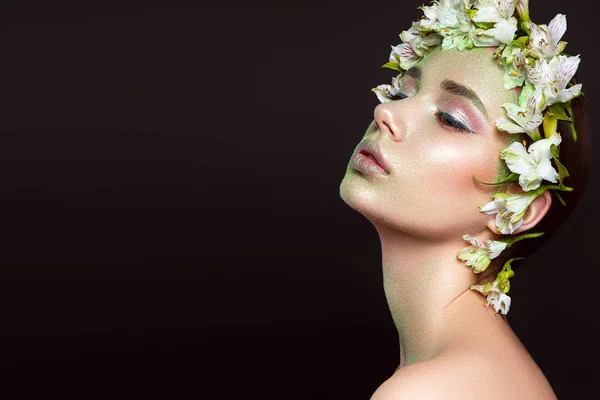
425, 284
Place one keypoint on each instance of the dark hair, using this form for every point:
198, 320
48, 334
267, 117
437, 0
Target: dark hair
575, 156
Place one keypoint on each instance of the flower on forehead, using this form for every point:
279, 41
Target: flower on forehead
415, 45
386, 93
479, 255
452, 20
444, 13
544, 41
510, 209
532, 164
523, 117
499, 12
523, 11
552, 77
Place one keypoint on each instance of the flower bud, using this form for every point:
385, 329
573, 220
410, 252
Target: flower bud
523, 10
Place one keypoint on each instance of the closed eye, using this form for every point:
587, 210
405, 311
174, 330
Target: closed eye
452, 123
398, 96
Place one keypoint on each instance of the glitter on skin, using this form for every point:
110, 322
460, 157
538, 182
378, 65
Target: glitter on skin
429, 199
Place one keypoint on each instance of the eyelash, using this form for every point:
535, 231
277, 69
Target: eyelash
444, 118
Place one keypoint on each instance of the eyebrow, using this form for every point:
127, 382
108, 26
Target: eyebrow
454, 88
464, 91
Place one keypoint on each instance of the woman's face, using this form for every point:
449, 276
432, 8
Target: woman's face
434, 141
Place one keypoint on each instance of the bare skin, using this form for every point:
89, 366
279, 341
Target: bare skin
451, 346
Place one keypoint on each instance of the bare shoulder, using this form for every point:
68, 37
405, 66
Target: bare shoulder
467, 375
439, 378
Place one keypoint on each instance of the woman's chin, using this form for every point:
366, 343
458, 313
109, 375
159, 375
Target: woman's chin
356, 194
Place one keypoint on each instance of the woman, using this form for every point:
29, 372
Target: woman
457, 174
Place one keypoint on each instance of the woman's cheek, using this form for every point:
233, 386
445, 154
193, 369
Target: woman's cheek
451, 164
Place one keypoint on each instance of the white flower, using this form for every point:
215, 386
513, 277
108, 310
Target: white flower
501, 13
386, 93
552, 77
443, 14
420, 40
499, 300
467, 35
532, 164
510, 209
414, 46
479, 255
504, 31
523, 118
515, 61
494, 10
405, 55
544, 41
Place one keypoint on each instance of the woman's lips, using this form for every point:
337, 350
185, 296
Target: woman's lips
366, 164
369, 159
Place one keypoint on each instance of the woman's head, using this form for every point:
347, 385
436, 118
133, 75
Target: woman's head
438, 132
484, 96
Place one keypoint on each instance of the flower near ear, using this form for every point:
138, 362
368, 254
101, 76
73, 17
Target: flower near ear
479, 255
553, 77
544, 41
510, 209
533, 165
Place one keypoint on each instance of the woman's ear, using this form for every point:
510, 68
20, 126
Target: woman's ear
535, 212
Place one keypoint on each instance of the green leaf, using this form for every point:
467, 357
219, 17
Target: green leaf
513, 177
392, 65
485, 25
562, 171
554, 150
521, 41
558, 110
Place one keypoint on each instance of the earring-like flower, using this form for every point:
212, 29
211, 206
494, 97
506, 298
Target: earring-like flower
495, 297
510, 209
496, 290
479, 255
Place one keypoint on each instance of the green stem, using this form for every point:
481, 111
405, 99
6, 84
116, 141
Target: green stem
511, 241
513, 177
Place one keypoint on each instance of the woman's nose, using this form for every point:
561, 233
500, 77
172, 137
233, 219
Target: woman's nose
386, 119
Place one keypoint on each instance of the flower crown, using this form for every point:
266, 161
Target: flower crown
532, 58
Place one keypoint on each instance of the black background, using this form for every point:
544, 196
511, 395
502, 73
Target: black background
171, 223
